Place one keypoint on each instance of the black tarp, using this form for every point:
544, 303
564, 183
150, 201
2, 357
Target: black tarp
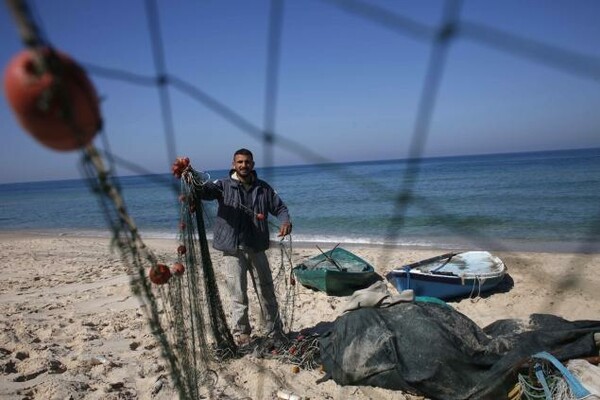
435, 351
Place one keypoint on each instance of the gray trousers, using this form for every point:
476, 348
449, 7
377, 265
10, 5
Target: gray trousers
237, 266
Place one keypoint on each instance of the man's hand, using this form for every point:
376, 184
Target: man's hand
285, 229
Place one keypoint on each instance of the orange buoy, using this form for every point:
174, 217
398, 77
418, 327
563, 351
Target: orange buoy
159, 274
41, 101
179, 166
178, 269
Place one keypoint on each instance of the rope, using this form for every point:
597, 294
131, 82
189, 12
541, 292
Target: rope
161, 76
477, 282
548, 379
558, 389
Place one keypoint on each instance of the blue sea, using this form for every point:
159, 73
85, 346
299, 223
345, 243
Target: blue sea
541, 201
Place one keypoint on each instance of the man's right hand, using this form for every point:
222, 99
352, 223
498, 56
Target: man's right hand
285, 229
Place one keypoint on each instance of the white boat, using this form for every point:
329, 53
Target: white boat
450, 275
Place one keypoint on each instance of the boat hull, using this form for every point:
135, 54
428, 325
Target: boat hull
336, 283
337, 272
471, 274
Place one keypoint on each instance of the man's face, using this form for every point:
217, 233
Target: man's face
243, 165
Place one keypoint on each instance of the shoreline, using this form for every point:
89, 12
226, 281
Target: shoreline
72, 327
456, 243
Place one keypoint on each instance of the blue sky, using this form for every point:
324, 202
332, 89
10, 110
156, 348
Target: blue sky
349, 88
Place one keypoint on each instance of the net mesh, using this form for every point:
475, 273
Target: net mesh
182, 312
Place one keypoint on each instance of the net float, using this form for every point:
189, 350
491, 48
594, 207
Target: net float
59, 106
179, 166
178, 269
159, 274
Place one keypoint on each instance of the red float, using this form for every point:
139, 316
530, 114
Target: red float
159, 274
179, 166
260, 217
41, 100
181, 250
178, 269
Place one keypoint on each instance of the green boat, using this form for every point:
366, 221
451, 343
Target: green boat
336, 272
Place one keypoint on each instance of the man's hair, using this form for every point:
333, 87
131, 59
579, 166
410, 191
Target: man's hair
244, 152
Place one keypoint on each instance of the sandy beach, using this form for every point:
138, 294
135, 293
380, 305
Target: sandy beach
71, 328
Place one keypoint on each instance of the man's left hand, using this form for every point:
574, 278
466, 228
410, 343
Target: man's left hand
285, 229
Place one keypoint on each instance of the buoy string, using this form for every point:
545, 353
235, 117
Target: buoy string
29, 32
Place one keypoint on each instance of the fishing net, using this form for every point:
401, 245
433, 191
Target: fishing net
193, 229
182, 303
548, 378
435, 351
300, 350
531, 389
177, 309
184, 306
185, 313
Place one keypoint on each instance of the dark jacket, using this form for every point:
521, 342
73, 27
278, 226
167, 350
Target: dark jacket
234, 222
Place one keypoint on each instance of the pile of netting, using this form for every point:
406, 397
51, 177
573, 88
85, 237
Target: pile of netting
302, 352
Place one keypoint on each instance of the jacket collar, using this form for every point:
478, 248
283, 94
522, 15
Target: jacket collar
233, 176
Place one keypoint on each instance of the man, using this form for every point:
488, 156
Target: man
241, 232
